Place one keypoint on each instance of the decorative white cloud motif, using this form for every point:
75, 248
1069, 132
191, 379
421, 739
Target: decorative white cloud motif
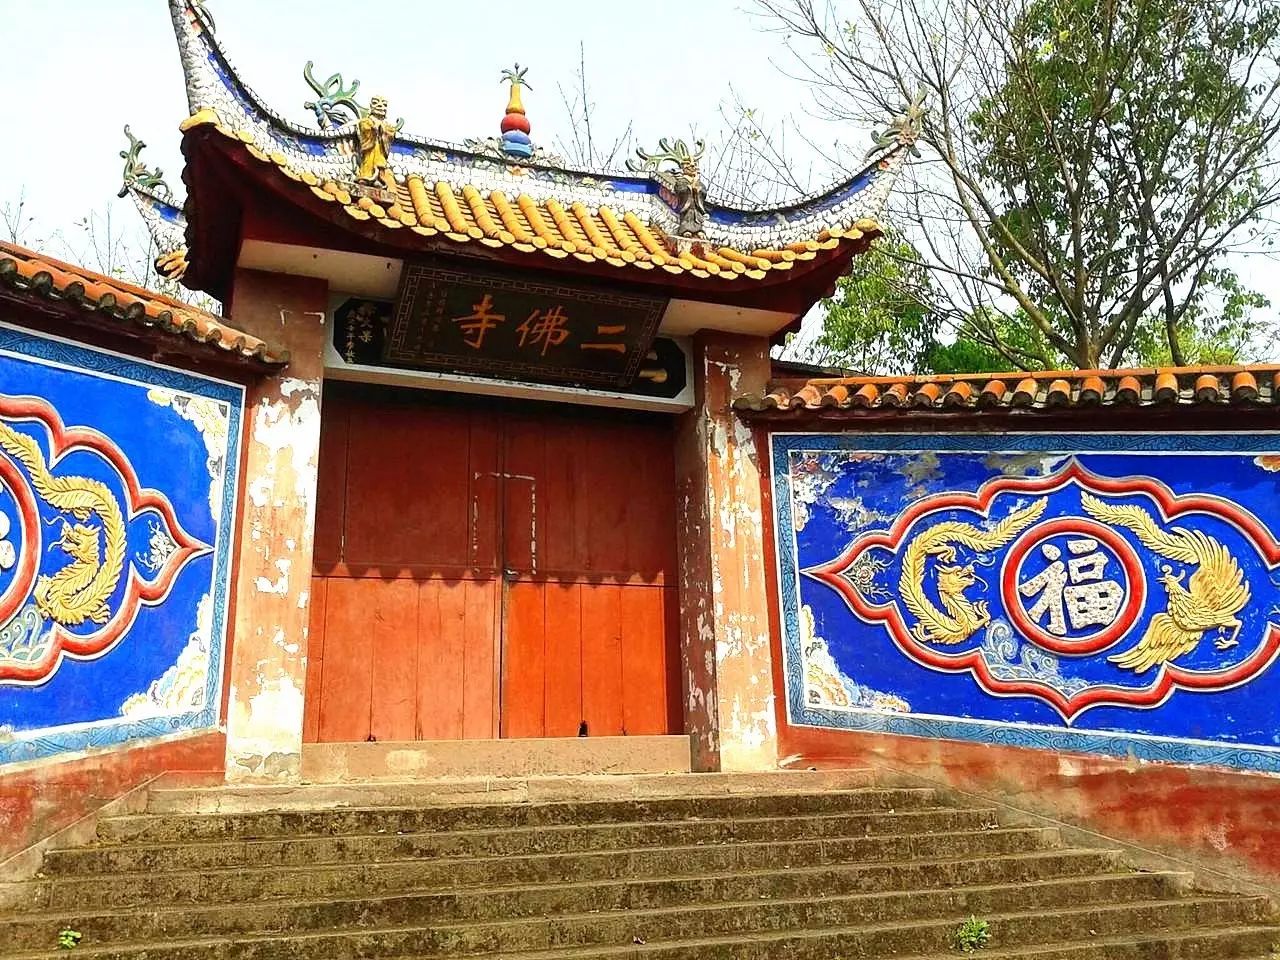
181, 688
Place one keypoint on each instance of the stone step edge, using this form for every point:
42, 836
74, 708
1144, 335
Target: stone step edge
108, 847
1042, 832
510, 889
756, 935
706, 784
1056, 853
498, 806
1013, 953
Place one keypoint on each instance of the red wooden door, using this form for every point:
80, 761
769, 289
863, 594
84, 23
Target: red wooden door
588, 540
484, 570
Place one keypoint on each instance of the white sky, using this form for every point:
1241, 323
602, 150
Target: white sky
76, 71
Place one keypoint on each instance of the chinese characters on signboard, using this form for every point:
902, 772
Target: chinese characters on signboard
503, 326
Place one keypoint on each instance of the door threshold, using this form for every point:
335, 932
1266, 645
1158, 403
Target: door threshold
469, 759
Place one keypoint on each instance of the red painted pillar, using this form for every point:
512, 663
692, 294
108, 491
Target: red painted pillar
724, 616
268, 662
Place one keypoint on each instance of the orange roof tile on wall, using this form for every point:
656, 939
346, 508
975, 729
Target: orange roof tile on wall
34, 275
1048, 390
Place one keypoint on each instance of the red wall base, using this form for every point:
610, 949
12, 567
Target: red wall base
1219, 819
41, 800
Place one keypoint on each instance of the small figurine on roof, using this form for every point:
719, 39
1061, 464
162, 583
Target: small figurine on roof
515, 125
676, 167
374, 134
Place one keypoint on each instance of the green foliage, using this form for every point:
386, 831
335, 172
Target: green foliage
69, 939
880, 320
972, 935
1091, 170
1125, 144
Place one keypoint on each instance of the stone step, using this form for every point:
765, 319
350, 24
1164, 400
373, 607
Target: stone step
1241, 942
490, 789
158, 828
377, 847
490, 904
725, 931
251, 881
1237, 943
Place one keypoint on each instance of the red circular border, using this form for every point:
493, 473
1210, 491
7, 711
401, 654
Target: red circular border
1094, 642
11, 600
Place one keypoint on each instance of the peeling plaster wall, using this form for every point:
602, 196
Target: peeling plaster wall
725, 646
1215, 820
282, 444
39, 799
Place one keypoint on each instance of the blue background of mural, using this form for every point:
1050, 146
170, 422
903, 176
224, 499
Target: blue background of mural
1239, 727
80, 704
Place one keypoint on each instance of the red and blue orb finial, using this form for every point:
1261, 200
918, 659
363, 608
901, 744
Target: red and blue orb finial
515, 125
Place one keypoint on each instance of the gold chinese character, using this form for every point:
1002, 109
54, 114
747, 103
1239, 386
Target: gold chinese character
610, 329
476, 325
545, 328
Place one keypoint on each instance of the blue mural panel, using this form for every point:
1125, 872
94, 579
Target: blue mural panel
1107, 593
117, 498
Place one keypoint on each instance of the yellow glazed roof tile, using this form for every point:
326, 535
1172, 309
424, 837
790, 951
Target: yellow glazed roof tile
526, 224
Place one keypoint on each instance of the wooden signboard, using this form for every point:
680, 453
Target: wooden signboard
508, 327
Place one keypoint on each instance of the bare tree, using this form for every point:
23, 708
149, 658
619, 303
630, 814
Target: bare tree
14, 219
1089, 165
586, 148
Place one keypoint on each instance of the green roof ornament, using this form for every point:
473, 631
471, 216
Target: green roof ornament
676, 152
905, 127
683, 183
335, 104
136, 173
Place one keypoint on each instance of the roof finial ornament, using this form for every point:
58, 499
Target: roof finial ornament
905, 127
515, 125
682, 182
136, 173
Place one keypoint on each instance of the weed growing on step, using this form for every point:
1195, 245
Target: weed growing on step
972, 935
69, 939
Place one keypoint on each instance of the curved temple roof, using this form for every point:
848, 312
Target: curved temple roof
477, 195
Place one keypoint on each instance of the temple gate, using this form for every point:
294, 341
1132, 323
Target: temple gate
486, 569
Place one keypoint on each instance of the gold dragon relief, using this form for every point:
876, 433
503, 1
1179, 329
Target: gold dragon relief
1212, 598
960, 617
1207, 594
96, 541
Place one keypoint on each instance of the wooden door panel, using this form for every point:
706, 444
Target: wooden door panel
644, 660
650, 519
331, 486
559, 496
346, 685
524, 660
675, 666
480, 660
522, 468
390, 633
602, 658
485, 488
442, 644
315, 661
408, 488
607, 485
563, 682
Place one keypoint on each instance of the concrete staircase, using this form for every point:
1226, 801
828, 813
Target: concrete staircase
821, 866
